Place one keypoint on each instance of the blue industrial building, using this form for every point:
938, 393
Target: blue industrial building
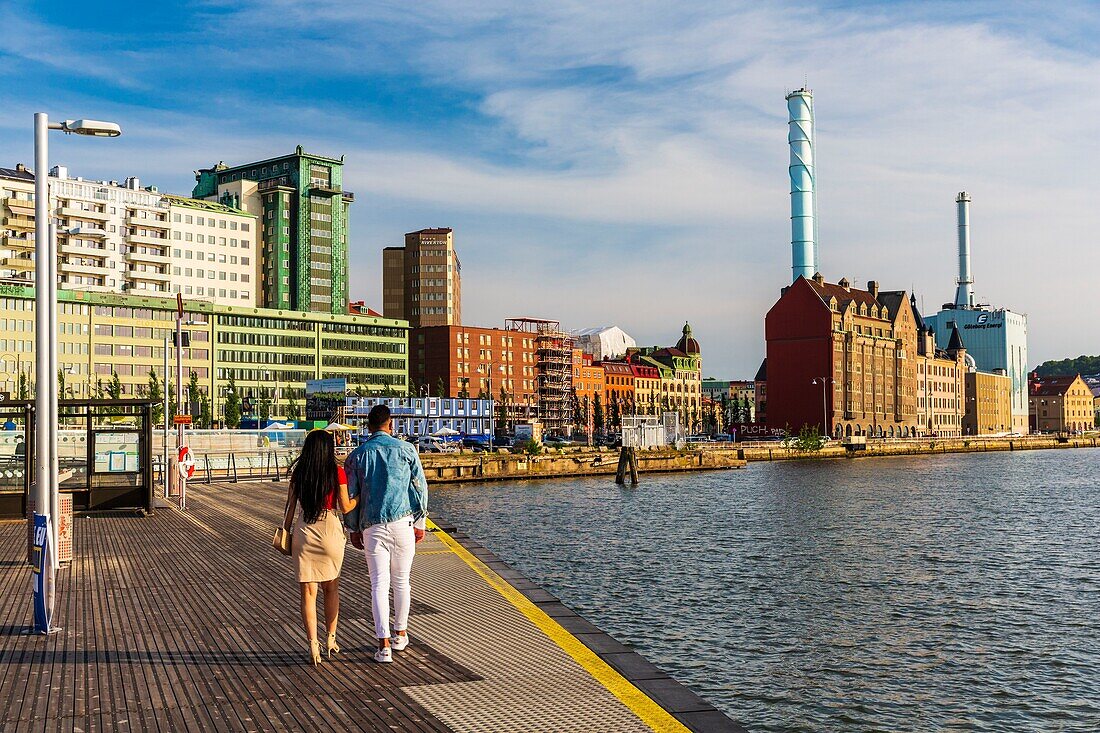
995, 337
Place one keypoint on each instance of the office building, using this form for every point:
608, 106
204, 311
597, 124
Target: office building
988, 404
422, 281
302, 209
269, 354
459, 361
941, 383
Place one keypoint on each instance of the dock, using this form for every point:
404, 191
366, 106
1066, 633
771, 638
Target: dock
189, 621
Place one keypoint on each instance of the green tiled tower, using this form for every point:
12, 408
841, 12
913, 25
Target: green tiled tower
303, 212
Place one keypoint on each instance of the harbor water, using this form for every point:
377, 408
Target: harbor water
956, 592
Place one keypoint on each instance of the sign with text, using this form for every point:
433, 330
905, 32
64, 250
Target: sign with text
42, 568
181, 420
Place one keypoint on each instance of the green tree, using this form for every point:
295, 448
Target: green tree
441, 388
193, 393
808, 439
206, 416
388, 390
292, 411
265, 410
464, 384
232, 404
1069, 367
156, 394
61, 384
481, 394
597, 415
502, 411
173, 408
23, 387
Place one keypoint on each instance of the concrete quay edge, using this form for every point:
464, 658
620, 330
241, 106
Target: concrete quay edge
687, 707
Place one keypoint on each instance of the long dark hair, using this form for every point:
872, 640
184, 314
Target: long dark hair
314, 477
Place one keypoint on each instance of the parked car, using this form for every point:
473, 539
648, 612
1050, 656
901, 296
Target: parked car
557, 441
432, 444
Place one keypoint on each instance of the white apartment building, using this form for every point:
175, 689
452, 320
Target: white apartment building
123, 238
214, 255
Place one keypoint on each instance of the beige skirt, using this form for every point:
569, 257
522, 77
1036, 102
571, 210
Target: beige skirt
318, 548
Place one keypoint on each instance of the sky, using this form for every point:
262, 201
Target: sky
618, 162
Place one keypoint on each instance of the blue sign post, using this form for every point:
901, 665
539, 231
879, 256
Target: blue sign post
42, 568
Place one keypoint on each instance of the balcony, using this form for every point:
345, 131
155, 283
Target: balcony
158, 259
70, 213
135, 221
146, 239
23, 207
82, 269
89, 231
69, 248
25, 244
149, 276
18, 223
19, 264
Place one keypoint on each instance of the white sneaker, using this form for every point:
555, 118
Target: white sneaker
383, 656
398, 642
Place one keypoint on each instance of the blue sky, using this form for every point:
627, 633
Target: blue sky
618, 162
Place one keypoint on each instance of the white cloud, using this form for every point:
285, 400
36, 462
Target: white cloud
667, 121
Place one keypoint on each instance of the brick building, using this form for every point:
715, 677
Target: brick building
422, 281
458, 359
841, 359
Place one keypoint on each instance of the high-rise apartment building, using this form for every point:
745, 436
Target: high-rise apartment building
303, 212
422, 281
124, 238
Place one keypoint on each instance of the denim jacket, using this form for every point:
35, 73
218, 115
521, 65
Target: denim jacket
385, 473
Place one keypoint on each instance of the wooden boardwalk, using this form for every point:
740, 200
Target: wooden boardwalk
189, 621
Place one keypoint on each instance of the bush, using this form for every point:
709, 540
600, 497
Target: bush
808, 439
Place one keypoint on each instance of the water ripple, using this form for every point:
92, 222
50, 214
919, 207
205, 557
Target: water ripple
956, 593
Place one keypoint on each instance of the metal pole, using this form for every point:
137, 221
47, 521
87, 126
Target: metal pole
181, 439
492, 431
43, 431
55, 489
164, 447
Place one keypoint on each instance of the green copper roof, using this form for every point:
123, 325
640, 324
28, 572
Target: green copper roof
191, 203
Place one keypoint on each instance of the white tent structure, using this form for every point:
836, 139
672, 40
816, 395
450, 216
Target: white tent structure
603, 342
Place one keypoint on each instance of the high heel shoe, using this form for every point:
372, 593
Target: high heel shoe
315, 652
333, 647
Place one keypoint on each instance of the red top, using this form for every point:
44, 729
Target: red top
341, 479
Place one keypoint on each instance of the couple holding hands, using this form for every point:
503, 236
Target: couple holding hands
382, 495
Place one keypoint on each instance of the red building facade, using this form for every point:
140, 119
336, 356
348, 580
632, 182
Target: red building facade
841, 360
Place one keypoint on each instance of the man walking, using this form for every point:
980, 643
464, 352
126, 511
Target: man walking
389, 519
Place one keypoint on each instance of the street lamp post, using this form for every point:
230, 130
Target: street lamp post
492, 424
824, 403
46, 495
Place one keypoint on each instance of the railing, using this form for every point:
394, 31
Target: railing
235, 466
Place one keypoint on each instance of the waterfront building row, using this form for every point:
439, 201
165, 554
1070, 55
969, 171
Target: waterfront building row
419, 416
471, 361
863, 362
270, 354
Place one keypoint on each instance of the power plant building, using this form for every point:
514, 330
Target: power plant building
995, 337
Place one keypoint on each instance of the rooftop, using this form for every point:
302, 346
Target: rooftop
174, 200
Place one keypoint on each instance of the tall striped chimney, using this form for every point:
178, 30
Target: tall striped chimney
964, 293
800, 137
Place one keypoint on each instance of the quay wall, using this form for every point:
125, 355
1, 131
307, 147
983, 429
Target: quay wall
452, 467
909, 447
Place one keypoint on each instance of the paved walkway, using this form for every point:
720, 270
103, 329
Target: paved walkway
190, 622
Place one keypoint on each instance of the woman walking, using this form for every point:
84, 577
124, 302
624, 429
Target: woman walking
318, 488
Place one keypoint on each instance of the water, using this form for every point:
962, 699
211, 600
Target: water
920, 593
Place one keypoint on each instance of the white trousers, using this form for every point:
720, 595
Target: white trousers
390, 549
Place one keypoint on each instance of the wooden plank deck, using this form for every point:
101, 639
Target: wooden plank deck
190, 622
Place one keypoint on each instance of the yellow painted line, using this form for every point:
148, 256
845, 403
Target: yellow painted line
652, 714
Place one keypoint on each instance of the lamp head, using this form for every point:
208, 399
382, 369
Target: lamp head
94, 128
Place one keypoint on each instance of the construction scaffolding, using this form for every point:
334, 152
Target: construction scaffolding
553, 372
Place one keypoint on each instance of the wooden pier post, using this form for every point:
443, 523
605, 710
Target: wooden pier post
628, 462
